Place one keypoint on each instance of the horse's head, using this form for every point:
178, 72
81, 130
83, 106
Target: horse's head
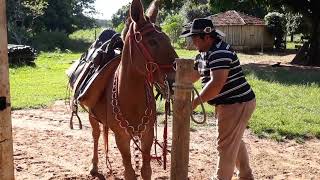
148, 48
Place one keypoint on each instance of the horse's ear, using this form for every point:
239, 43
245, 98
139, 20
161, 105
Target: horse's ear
136, 12
152, 11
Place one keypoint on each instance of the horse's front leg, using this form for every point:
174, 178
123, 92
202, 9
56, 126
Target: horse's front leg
95, 135
106, 143
123, 144
146, 144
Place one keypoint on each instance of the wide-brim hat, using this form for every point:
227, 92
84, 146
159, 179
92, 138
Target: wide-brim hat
201, 26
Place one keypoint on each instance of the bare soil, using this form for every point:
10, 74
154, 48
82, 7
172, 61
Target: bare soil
46, 148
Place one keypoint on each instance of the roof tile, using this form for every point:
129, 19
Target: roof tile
233, 17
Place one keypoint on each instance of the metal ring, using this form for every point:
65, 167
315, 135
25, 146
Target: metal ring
136, 35
152, 65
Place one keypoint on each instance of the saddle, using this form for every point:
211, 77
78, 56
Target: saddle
88, 75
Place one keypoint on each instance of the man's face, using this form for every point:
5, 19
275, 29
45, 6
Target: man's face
202, 45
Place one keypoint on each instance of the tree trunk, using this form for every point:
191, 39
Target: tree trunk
291, 38
314, 56
302, 55
309, 53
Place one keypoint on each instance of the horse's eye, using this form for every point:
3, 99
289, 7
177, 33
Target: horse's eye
153, 43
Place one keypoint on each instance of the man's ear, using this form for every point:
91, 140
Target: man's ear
152, 11
136, 12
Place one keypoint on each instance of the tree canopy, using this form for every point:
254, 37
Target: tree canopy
34, 16
309, 9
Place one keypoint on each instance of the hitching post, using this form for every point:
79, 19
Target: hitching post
181, 120
6, 147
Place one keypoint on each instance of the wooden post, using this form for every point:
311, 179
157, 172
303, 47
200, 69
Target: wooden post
262, 43
6, 147
181, 120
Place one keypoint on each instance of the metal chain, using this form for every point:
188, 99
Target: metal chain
123, 122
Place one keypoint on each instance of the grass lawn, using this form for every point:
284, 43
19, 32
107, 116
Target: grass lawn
39, 86
288, 99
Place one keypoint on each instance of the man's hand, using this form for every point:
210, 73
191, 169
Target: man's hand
195, 102
195, 76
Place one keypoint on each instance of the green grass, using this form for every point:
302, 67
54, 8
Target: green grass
40, 85
288, 99
288, 102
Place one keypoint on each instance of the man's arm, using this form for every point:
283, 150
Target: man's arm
213, 87
195, 76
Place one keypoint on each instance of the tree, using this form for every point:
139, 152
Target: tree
22, 18
173, 25
26, 18
67, 15
294, 23
120, 16
276, 24
191, 10
309, 9
257, 8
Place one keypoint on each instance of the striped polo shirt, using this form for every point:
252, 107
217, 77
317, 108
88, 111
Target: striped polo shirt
221, 56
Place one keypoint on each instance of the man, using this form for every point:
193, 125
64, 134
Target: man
224, 87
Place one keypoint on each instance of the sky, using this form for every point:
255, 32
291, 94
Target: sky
107, 8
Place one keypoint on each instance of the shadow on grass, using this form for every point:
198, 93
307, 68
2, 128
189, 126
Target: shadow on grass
290, 75
19, 65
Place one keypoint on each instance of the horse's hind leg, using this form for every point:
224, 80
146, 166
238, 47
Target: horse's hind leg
95, 134
123, 144
146, 144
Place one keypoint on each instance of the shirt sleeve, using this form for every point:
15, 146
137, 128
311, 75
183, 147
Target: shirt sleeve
219, 61
196, 63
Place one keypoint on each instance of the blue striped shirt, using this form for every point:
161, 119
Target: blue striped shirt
221, 56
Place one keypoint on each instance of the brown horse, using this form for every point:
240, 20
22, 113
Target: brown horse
128, 107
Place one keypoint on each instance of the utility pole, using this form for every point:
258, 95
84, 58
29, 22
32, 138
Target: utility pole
6, 144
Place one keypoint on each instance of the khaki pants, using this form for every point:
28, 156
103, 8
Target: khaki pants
232, 121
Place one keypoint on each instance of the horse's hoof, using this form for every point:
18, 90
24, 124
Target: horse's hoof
94, 170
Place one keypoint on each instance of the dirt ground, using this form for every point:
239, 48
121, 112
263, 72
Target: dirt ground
46, 148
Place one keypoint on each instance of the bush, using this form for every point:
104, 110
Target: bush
49, 41
120, 27
173, 26
60, 41
276, 24
86, 35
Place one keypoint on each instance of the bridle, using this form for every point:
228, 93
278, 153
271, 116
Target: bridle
151, 65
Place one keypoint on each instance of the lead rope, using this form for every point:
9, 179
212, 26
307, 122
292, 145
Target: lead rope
202, 107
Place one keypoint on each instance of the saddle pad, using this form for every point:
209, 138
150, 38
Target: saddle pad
90, 93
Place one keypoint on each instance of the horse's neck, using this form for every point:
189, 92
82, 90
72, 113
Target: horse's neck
135, 95
131, 82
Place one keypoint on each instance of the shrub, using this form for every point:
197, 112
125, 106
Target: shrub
86, 35
120, 27
276, 24
50, 41
172, 26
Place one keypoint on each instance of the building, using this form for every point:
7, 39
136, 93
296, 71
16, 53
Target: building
243, 32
